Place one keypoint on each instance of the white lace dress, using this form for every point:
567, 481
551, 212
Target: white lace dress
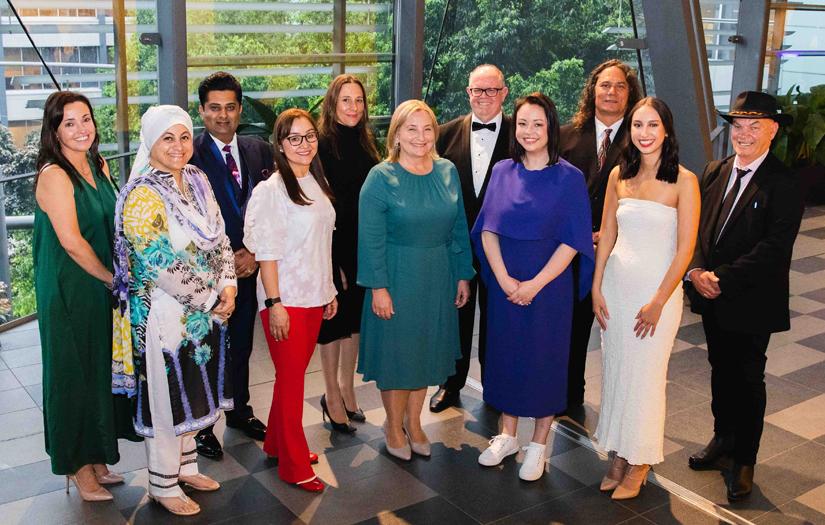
634, 376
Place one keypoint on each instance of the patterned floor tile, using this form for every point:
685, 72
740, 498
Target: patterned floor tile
433, 510
806, 419
808, 264
586, 506
790, 358
814, 499
791, 513
795, 472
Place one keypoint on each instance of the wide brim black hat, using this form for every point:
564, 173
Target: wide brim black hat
755, 104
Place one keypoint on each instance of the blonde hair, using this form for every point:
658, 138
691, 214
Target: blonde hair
399, 118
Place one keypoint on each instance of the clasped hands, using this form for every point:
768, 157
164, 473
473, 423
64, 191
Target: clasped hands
245, 264
519, 292
705, 282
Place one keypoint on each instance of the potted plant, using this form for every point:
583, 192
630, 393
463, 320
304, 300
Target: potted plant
802, 144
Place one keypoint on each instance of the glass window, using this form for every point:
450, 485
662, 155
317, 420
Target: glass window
546, 45
795, 53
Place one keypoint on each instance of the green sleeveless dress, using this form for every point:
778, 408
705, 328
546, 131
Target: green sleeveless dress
82, 418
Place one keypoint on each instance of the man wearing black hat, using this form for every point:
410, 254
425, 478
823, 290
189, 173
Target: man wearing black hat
751, 211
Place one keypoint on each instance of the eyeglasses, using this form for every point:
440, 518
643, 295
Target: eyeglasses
297, 140
490, 92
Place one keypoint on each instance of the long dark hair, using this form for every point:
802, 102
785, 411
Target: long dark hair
282, 127
587, 100
50, 149
668, 161
552, 116
326, 124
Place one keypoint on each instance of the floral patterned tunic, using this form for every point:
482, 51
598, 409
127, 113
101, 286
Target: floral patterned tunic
173, 286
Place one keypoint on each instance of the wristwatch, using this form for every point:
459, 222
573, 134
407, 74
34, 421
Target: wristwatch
272, 301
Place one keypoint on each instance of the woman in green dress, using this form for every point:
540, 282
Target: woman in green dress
414, 259
73, 235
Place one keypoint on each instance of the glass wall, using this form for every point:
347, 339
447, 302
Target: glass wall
719, 19
796, 46
544, 45
285, 54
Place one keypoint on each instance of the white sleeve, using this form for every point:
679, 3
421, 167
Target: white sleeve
265, 224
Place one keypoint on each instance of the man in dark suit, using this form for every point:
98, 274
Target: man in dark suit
474, 143
234, 165
592, 142
738, 280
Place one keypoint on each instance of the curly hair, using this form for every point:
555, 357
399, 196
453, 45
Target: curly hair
326, 124
587, 100
669, 157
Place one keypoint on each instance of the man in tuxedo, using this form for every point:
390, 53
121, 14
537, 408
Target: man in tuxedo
234, 165
474, 143
592, 142
738, 280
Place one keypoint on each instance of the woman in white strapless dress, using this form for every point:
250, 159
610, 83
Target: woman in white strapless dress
648, 231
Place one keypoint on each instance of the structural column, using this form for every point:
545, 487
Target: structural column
751, 38
409, 50
172, 68
678, 59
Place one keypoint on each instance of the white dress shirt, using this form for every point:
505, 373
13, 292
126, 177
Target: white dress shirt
601, 126
298, 237
236, 154
482, 144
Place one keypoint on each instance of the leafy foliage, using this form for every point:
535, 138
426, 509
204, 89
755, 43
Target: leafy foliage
803, 142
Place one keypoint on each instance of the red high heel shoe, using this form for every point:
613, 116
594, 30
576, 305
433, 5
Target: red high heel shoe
313, 485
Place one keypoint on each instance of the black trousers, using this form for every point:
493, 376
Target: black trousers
737, 363
579, 339
241, 331
466, 318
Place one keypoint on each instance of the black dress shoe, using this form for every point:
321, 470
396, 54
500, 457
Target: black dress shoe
208, 445
442, 400
708, 458
252, 427
740, 483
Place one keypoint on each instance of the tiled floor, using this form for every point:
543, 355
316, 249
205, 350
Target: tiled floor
367, 486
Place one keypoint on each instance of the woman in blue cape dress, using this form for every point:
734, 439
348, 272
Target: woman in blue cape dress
535, 218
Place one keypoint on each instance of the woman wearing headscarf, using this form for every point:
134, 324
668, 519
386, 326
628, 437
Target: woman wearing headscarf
73, 233
175, 281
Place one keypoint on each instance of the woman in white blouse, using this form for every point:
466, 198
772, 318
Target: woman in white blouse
288, 226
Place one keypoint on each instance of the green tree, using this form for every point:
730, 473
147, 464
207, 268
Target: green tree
563, 80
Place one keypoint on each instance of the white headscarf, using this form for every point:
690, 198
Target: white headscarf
153, 124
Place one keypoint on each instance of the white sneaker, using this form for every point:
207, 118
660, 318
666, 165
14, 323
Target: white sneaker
535, 457
500, 447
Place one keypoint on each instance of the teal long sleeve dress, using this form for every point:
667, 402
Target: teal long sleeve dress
412, 240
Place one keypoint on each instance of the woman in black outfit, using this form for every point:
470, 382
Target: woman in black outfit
347, 151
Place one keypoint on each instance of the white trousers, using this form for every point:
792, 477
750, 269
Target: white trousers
169, 455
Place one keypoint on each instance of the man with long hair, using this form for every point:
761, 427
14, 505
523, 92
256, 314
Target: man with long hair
592, 142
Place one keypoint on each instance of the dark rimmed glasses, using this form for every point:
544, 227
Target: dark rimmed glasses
297, 140
490, 92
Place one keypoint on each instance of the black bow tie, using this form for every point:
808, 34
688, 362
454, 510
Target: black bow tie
478, 125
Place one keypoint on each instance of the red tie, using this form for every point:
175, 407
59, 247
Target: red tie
232, 165
603, 147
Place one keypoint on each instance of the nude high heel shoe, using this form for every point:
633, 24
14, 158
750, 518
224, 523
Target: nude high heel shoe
614, 475
100, 494
110, 478
634, 478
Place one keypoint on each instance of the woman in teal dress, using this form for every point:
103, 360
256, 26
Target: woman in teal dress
73, 235
414, 259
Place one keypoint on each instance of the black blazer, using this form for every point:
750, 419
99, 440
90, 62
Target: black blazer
753, 256
578, 147
256, 165
454, 145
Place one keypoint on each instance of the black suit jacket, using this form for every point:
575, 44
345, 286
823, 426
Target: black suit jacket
578, 147
454, 145
753, 256
256, 165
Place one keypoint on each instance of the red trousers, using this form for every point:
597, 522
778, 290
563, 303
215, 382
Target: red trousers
285, 437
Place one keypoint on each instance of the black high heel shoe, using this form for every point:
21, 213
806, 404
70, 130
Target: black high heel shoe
344, 428
357, 416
